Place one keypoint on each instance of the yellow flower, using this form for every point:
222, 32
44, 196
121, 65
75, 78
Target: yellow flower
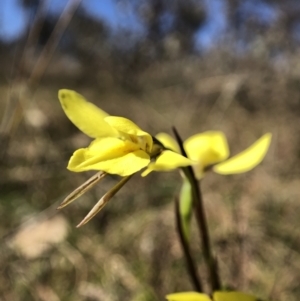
217, 296
119, 146
210, 150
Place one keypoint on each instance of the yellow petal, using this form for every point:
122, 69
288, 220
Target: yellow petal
233, 296
85, 115
206, 148
111, 147
168, 141
247, 159
126, 165
168, 160
101, 149
188, 296
111, 155
136, 135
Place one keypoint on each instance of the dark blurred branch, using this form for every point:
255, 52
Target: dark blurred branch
14, 108
34, 31
47, 53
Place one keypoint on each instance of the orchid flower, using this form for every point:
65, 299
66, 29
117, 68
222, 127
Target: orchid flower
119, 147
217, 296
210, 150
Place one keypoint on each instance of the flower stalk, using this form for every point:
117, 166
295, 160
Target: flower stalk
192, 269
209, 259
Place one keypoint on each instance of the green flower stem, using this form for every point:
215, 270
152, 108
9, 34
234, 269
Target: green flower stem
206, 245
201, 221
192, 269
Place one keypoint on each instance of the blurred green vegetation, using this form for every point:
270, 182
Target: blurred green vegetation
130, 250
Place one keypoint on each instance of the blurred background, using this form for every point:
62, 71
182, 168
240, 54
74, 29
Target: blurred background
228, 65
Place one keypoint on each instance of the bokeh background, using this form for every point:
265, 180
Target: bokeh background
228, 65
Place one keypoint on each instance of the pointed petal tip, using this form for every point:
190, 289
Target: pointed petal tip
65, 203
82, 189
268, 136
103, 201
63, 93
80, 224
247, 159
90, 215
62, 205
